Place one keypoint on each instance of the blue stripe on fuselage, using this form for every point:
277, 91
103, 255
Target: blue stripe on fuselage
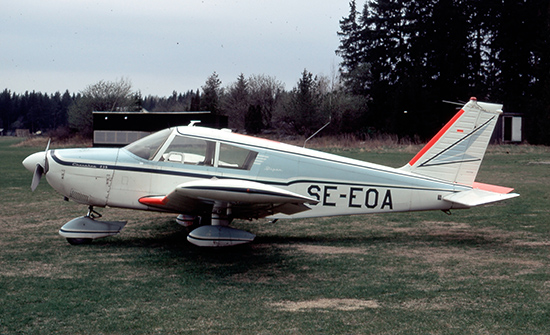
88, 158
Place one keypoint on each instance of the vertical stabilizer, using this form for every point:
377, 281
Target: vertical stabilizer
456, 151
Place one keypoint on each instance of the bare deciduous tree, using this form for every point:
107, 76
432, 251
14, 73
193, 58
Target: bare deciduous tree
102, 96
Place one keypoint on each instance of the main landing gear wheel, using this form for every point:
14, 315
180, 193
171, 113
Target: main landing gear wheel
79, 241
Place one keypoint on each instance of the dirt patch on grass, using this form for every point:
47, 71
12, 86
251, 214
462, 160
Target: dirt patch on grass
263, 276
425, 304
473, 257
461, 265
36, 269
521, 243
328, 250
456, 231
329, 304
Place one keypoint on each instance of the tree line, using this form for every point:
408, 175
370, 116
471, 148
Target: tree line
405, 55
400, 60
34, 110
254, 105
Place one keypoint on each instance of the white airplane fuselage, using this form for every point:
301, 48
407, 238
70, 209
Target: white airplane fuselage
342, 186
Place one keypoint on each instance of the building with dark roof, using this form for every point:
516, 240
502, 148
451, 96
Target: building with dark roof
113, 129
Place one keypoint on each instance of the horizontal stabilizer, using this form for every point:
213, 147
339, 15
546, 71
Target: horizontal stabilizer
476, 197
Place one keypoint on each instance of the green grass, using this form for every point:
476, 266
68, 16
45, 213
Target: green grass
479, 271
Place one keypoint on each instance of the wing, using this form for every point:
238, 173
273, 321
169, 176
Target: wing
246, 199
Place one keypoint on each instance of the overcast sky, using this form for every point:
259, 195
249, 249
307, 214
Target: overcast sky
164, 45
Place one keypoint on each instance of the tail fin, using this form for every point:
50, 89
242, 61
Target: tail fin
456, 152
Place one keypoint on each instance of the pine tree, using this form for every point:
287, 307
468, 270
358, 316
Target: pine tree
253, 119
355, 72
195, 102
7, 116
304, 105
265, 91
211, 94
236, 103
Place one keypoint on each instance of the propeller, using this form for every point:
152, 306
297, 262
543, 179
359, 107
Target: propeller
38, 163
38, 172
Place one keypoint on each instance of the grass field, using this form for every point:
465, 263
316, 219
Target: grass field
478, 271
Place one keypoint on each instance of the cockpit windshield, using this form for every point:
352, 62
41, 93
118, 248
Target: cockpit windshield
148, 146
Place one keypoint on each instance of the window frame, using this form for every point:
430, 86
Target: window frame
246, 165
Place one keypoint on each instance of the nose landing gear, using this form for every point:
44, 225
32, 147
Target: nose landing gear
84, 229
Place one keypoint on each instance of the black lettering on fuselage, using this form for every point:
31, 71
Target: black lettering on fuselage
387, 200
357, 197
371, 198
326, 195
352, 196
313, 191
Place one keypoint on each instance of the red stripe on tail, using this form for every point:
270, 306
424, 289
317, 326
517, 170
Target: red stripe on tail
436, 138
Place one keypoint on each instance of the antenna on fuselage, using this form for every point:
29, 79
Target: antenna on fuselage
193, 122
323, 127
453, 103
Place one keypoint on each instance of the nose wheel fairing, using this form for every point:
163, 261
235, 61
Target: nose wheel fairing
84, 229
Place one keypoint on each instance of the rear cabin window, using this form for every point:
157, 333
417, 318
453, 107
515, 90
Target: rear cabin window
236, 158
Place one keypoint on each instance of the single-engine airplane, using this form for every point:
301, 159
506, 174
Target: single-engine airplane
210, 177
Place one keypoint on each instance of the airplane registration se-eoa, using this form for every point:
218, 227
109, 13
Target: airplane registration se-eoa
210, 177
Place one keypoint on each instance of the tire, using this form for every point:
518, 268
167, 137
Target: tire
79, 241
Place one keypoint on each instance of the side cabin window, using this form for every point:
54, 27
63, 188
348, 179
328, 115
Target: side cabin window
188, 150
236, 158
194, 151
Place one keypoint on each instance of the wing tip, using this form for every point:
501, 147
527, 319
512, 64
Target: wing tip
154, 201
